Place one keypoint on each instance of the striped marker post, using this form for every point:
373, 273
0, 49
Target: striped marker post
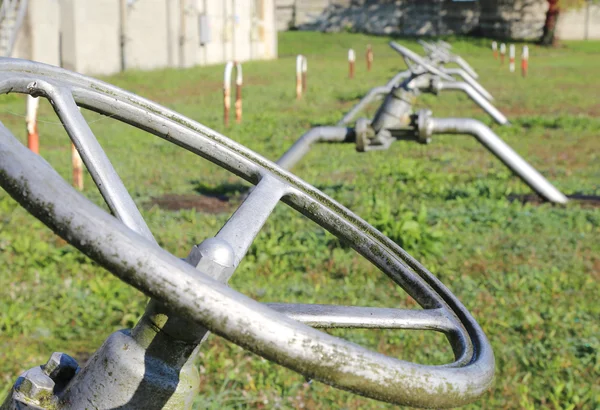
502, 52
77, 165
351, 59
301, 71
227, 91
369, 57
524, 61
33, 139
511, 58
495, 50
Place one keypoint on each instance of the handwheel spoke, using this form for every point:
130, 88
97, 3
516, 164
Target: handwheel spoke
95, 159
243, 226
332, 316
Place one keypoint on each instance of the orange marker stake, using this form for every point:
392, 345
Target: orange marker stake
369, 57
351, 60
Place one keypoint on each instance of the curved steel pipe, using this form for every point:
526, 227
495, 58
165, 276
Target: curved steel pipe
366, 100
441, 52
470, 80
318, 134
465, 66
501, 150
475, 96
398, 78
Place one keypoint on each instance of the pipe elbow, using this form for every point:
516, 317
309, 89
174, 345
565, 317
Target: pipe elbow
311, 136
475, 127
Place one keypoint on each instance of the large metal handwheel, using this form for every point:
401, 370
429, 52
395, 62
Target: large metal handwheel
417, 64
126, 248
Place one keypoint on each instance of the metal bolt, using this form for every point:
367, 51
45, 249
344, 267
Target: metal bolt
214, 257
35, 385
60, 367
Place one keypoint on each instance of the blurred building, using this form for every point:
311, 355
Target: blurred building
517, 19
107, 36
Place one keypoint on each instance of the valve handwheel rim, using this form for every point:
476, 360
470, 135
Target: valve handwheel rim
130, 255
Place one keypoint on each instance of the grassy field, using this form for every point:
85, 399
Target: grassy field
529, 272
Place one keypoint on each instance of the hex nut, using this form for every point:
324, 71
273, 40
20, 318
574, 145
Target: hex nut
60, 367
35, 385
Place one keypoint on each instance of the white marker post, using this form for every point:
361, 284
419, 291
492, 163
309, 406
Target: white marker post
227, 92
301, 70
502, 52
511, 58
351, 60
524, 61
33, 139
495, 50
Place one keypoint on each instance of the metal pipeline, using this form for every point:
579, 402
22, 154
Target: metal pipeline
372, 95
470, 80
465, 66
398, 78
366, 100
438, 86
497, 147
317, 134
441, 52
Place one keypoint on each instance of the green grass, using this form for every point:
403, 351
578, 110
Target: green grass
529, 273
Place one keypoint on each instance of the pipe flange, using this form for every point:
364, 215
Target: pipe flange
364, 133
424, 126
435, 85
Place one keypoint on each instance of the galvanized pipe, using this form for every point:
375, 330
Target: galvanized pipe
470, 80
398, 78
318, 134
465, 66
473, 95
501, 150
366, 100
442, 53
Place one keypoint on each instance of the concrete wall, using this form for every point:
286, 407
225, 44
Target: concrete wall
403, 17
157, 33
90, 36
518, 19
580, 24
39, 38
